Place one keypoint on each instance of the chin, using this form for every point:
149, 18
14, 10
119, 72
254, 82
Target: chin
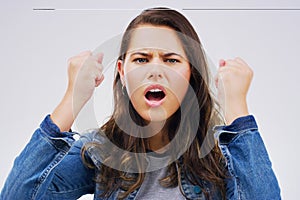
155, 115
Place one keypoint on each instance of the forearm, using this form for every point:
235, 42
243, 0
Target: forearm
32, 170
234, 109
63, 115
85, 73
233, 81
66, 112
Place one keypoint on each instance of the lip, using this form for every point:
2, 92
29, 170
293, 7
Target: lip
154, 103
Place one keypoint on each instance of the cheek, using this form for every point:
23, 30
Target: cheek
179, 83
133, 79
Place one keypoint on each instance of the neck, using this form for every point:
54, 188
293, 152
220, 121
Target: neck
159, 139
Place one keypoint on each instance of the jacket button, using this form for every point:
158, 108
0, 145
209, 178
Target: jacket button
197, 189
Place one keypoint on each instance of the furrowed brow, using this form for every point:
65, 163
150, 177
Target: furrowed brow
139, 53
171, 54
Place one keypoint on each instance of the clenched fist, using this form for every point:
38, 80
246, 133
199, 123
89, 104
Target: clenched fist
233, 81
84, 74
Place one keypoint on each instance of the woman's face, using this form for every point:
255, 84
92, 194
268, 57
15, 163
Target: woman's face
155, 72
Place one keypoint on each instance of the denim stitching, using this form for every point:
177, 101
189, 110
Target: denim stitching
46, 173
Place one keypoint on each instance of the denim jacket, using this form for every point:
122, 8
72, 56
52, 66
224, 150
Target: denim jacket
50, 166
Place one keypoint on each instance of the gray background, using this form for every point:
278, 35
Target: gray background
35, 46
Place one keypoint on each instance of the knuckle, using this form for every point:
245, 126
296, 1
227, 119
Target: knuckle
70, 65
100, 67
225, 75
70, 61
73, 61
238, 59
250, 72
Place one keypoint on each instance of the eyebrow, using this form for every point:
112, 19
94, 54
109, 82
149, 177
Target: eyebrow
171, 54
139, 53
147, 54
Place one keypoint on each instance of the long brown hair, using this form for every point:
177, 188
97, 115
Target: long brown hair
192, 164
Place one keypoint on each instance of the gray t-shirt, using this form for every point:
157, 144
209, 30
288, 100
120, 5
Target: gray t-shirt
152, 190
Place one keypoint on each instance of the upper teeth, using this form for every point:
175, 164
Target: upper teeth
155, 90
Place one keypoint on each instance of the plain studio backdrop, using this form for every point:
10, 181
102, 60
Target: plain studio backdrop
35, 45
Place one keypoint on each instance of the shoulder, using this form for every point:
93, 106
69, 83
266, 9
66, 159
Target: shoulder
92, 142
87, 139
93, 135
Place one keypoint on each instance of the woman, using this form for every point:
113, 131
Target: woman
158, 142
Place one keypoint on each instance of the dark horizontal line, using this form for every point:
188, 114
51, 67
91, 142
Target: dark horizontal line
43, 8
187, 9
81, 9
246, 9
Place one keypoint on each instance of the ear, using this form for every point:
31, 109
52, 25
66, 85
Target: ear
121, 71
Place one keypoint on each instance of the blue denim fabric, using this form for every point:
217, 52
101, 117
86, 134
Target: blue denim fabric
50, 166
247, 160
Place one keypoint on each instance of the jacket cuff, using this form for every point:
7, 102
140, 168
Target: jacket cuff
225, 134
52, 130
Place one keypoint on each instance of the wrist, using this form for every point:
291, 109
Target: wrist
66, 111
234, 110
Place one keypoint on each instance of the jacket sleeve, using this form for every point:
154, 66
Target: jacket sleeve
249, 167
49, 167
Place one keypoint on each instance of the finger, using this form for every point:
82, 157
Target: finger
99, 80
84, 53
242, 65
231, 63
99, 67
241, 61
216, 81
222, 62
98, 73
79, 56
217, 77
100, 58
219, 82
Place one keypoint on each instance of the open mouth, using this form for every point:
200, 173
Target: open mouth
155, 95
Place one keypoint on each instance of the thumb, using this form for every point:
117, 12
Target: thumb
100, 57
222, 62
216, 79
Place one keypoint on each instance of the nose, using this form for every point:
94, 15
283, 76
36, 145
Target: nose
155, 71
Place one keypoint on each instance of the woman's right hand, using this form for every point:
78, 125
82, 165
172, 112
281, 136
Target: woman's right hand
84, 74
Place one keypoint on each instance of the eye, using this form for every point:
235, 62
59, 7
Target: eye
140, 60
172, 60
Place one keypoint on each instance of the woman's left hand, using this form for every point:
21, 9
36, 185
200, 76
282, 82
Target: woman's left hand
233, 81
